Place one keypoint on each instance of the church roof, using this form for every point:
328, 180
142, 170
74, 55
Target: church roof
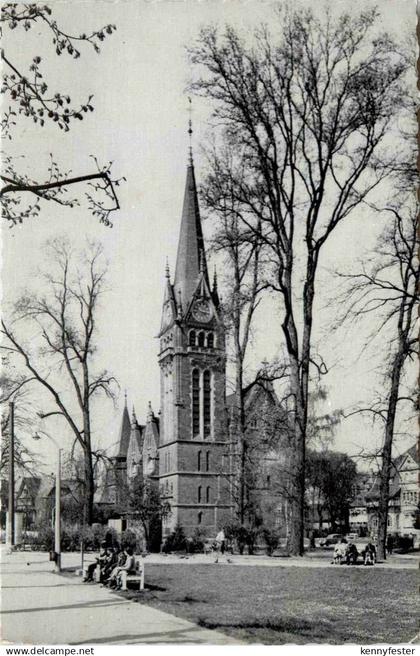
191, 252
125, 432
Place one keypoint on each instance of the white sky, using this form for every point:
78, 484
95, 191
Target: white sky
140, 122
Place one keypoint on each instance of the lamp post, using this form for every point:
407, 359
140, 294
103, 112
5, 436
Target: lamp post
57, 523
11, 502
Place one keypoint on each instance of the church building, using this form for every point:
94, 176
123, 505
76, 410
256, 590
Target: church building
186, 452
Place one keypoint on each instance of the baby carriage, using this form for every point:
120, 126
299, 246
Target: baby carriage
369, 556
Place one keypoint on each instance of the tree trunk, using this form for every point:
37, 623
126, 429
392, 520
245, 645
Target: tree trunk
386, 455
299, 383
88, 466
297, 471
89, 487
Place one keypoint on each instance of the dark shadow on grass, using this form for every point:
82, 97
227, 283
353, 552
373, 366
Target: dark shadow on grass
154, 588
284, 625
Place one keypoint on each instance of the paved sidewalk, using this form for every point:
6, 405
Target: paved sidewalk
41, 607
318, 559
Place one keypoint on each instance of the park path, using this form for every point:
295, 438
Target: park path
41, 607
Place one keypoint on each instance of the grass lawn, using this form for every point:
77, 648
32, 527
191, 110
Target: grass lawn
278, 605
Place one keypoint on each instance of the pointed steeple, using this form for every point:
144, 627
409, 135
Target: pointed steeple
124, 437
133, 418
191, 256
215, 292
168, 295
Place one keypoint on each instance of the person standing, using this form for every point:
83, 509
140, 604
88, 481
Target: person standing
221, 545
390, 544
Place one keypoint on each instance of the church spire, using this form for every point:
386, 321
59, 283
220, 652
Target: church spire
215, 292
124, 437
191, 255
190, 131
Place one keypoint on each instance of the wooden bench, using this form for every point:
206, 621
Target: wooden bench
137, 576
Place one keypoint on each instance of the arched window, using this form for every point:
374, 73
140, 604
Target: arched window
199, 494
201, 337
199, 517
208, 493
210, 340
196, 402
199, 461
207, 403
191, 340
268, 482
207, 460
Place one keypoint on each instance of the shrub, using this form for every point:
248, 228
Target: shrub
42, 539
271, 539
196, 541
176, 541
130, 538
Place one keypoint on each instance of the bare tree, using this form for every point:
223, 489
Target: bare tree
14, 387
305, 112
27, 96
60, 357
388, 286
240, 249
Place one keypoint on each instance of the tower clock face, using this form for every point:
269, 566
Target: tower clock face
202, 310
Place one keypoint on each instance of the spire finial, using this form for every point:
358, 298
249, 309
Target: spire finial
150, 414
214, 279
167, 271
133, 416
125, 397
190, 130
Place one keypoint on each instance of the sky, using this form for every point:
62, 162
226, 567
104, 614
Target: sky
140, 123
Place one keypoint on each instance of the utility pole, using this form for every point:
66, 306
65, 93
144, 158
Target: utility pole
11, 509
57, 545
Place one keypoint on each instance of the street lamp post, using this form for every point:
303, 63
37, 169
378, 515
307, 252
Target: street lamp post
57, 527
11, 503
57, 522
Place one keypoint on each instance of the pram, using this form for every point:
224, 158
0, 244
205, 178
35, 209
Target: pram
369, 556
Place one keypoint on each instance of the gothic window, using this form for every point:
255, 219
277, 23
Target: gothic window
207, 403
199, 461
199, 494
210, 340
196, 402
201, 337
191, 340
199, 517
208, 491
207, 460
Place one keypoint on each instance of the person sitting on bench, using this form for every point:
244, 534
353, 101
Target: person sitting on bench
129, 567
101, 560
109, 564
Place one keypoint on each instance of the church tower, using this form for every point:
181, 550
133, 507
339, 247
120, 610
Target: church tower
193, 446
